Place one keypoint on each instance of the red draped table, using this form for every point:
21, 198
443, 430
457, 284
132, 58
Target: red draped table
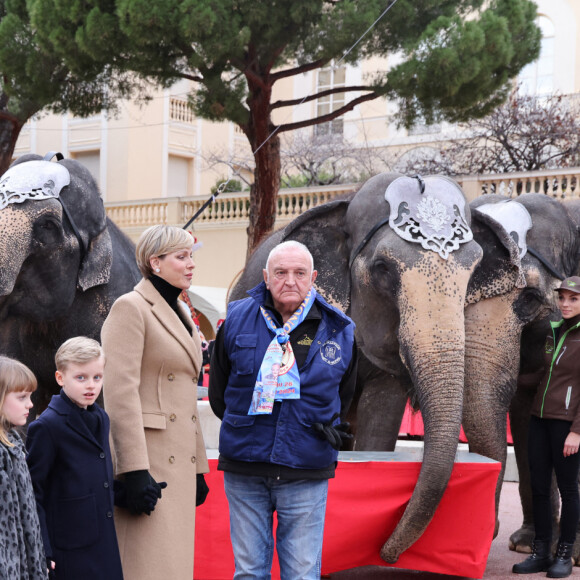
366, 500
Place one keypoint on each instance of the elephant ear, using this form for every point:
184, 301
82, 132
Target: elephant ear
85, 206
322, 230
95, 268
506, 222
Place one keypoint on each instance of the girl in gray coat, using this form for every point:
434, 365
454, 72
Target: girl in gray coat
21, 551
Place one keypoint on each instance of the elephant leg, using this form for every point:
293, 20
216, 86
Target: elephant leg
380, 408
521, 539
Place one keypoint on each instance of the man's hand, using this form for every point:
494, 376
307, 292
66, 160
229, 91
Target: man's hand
336, 435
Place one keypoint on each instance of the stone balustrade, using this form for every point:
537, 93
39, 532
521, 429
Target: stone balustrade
233, 208
227, 208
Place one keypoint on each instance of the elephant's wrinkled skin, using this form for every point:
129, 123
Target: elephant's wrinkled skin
504, 334
566, 223
47, 294
408, 304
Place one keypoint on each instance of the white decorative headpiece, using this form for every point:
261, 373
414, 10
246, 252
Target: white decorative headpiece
32, 180
430, 212
513, 217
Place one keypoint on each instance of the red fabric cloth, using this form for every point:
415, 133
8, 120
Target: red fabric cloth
365, 502
412, 424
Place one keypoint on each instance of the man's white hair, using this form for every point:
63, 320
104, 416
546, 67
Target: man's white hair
288, 245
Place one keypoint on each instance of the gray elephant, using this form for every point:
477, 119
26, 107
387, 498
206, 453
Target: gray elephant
505, 332
560, 243
63, 262
397, 257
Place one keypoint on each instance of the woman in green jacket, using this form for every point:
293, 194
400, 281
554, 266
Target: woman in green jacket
554, 438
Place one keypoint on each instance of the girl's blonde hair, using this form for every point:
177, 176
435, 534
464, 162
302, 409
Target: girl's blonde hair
158, 241
14, 377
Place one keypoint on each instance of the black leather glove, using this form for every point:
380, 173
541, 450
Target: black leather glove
142, 492
201, 490
336, 435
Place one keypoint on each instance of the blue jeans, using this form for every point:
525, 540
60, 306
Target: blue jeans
300, 506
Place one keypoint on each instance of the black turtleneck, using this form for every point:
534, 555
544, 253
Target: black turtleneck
88, 415
170, 294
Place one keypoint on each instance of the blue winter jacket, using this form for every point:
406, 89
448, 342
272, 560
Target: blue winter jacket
287, 437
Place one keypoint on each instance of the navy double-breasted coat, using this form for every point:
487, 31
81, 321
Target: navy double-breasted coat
72, 477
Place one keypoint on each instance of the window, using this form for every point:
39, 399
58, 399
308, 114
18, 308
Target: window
179, 178
330, 78
537, 78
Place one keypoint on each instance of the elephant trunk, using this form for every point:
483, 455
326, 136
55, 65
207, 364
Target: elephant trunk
492, 356
16, 238
432, 339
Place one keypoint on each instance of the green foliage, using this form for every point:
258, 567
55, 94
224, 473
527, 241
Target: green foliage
299, 180
457, 58
452, 68
231, 185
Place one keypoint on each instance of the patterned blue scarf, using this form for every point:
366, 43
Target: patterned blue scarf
278, 377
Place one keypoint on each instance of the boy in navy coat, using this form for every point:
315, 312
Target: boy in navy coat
71, 469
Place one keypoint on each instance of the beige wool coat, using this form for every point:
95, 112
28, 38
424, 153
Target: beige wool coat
150, 392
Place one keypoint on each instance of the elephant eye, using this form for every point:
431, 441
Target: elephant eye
46, 231
528, 304
385, 277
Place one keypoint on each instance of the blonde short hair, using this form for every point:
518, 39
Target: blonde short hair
77, 351
157, 241
14, 377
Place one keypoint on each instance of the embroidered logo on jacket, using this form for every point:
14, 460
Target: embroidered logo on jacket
330, 352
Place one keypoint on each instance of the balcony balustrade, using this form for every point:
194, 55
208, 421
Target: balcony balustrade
232, 209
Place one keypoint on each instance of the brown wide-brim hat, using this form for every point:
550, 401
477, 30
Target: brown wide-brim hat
572, 284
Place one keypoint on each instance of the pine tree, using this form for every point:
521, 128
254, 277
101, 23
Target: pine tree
456, 58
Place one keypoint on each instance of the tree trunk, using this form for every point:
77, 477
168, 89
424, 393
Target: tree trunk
10, 128
264, 193
266, 149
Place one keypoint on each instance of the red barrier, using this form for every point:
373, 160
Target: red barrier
412, 425
365, 501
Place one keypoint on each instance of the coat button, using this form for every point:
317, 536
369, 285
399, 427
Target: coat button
170, 377
171, 459
106, 484
194, 418
109, 514
193, 459
102, 455
172, 417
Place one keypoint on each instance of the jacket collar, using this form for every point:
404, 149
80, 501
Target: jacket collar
167, 316
260, 294
73, 418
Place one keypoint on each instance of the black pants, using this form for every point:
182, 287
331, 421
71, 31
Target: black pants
546, 452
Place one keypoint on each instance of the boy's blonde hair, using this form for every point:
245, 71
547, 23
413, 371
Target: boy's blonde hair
158, 241
14, 377
78, 351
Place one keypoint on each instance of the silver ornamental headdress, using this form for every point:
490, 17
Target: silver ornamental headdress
32, 180
430, 212
513, 217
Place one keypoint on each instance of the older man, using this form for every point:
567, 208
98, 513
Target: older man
280, 435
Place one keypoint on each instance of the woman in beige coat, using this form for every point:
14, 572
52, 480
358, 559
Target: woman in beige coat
153, 360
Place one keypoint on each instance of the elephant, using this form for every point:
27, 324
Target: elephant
563, 235
505, 333
397, 256
63, 262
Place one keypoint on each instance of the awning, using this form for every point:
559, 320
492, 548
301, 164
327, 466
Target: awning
210, 301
